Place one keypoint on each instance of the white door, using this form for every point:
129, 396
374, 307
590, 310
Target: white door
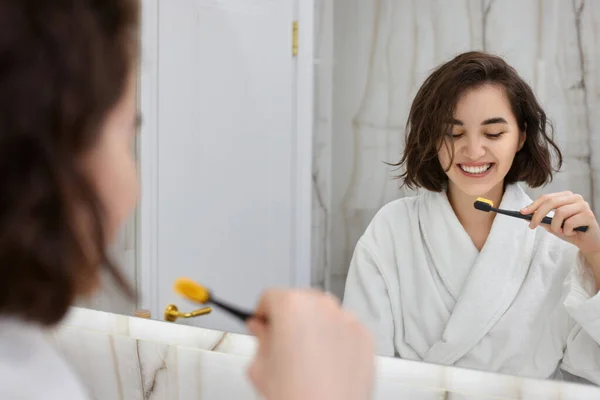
219, 156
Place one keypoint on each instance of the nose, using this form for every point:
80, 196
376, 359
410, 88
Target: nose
474, 147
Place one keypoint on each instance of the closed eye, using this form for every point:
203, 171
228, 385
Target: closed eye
494, 135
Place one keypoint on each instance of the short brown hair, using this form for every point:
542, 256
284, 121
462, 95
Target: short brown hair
64, 65
434, 106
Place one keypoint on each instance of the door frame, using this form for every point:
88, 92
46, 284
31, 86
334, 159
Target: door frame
147, 154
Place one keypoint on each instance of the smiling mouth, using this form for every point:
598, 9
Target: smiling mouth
476, 170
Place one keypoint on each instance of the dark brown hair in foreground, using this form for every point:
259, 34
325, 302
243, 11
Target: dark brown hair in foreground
434, 106
64, 65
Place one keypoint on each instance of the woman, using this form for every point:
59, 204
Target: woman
437, 280
68, 183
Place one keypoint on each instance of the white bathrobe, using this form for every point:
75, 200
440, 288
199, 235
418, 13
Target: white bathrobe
524, 305
31, 368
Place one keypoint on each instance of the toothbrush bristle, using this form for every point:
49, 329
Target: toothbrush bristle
483, 204
192, 291
484, 200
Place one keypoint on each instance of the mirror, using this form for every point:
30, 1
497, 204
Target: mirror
241, 175
430, 285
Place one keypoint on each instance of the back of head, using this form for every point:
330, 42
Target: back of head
434, 106
64, 65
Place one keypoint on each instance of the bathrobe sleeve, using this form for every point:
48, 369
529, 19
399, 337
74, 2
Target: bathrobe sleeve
366, 295
582, 302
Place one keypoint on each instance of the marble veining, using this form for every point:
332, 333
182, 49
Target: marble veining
126, 358
121, 367
322, 144
171, 334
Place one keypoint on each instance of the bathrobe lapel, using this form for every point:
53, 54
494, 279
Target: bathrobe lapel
484, 284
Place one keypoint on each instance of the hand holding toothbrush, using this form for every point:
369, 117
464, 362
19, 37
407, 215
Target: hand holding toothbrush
310, 349
571, 211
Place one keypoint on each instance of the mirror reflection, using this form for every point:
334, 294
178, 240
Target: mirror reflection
441, 280
462, 105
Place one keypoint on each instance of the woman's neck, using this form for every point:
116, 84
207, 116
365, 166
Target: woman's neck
477, 223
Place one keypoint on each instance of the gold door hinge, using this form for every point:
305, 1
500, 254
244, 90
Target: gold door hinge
295, 38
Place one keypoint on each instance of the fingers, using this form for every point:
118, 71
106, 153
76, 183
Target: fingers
275, 302
257, 328
571, 211
255, 374
329, 301
563, 214
583, 218
363, 333
551, 203
546, 203
533, 206
270, 302
267, 300
290, 357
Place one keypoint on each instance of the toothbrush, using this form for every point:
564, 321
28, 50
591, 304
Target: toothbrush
486, 205
199, 294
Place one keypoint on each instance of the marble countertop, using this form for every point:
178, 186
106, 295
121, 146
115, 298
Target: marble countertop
161, 332
395, 377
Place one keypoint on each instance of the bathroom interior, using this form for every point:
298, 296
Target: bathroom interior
288, 112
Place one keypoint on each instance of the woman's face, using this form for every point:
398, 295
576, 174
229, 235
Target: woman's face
486, 138
111, 164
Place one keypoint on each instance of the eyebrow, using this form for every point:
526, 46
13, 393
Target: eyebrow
489, 121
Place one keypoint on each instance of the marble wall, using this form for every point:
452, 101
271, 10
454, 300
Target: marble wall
378, 52
322, 143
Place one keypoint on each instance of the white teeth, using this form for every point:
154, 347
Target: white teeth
475, 170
